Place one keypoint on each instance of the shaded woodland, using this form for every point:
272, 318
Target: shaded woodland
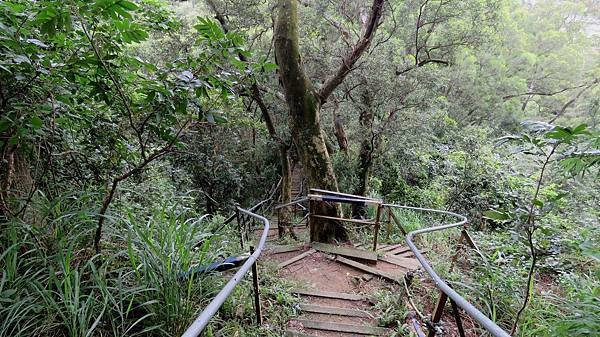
130, 128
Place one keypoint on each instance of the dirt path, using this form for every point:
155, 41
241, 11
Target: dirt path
336, 299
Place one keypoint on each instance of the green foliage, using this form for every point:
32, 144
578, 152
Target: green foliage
91, 91
72, 67
392, 311
52, 284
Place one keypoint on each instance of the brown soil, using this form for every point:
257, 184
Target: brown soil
319, 272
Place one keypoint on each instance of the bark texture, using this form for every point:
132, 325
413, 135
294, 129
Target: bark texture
340, 134
304, 104
285, 214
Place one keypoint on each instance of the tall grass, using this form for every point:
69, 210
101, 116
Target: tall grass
159, 252
51, 284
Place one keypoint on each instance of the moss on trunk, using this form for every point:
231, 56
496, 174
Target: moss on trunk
304, 106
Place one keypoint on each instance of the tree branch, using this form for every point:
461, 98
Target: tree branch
573, 100
418, 26
422, 63
255, 93
350, 60
115, 182
118, 88
530, 231
550, 93
343, 31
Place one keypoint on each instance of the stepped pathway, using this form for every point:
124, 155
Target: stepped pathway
337, 284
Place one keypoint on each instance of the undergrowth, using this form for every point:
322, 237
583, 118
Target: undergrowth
53, 284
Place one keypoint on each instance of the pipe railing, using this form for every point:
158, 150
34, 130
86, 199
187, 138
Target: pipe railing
251, 209
204, 318
206, 315
291, 203
471, 310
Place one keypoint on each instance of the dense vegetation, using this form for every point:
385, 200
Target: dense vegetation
123, 122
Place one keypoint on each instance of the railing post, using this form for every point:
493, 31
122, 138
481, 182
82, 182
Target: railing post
310, 221
240, 226
247, 228
458, 249
437, 313
439, 308
279, 228
389, 223
397, 222
257, 309
377, 221
456, 313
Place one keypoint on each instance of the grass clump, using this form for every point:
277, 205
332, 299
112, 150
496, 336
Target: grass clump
53, 285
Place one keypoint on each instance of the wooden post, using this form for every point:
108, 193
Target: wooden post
240, 227
310, 221
279, 228
377, 220
398, 223
439, 308
257, 308
246, 226
437, 312
389, 223
456, 313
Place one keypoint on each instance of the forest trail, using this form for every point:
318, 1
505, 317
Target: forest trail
337, 285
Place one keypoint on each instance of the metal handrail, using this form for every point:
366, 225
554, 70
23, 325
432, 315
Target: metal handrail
471, 310
291, 203
206, 315
252, 209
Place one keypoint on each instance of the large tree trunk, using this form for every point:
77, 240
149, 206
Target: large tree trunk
365, 156
285, 214
304, 105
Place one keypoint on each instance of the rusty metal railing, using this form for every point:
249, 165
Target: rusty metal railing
242, 215
446, 290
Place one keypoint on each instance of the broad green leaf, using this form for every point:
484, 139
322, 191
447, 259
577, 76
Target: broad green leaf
579, 129
590, 249
37, 43
209, 29
559, 133
240, 65
268, 67
4, 125
36, 122
496, 215
220, 119
128, 5
18, 59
